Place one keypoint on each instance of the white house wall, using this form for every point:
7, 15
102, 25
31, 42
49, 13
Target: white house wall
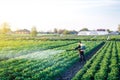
93, 33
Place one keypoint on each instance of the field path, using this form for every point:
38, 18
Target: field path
70, 73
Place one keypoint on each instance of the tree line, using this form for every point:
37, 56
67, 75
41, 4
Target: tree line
5, 29
64, 31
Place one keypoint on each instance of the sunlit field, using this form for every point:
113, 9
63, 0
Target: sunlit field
48, 57
59, 39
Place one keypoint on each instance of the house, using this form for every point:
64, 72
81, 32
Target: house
94, 32
22, 31
114, 33
87, 33
102, 32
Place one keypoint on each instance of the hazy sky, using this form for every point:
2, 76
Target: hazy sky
65, 14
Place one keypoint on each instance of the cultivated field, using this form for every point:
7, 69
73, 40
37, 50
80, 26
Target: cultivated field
50, 58
104, 65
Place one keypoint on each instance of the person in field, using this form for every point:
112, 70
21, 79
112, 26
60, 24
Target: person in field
81, 50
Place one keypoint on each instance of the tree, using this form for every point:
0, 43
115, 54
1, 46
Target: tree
65, 32
55, 30
109, 30
60, 31
84, 29
73, 32
33, 31
5, 28
119, 27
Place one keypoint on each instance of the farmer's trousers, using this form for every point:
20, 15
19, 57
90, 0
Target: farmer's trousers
82, 56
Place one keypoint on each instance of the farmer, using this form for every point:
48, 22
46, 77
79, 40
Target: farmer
81, 49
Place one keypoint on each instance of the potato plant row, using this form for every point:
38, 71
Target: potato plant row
10, 49
102, 66
41, 69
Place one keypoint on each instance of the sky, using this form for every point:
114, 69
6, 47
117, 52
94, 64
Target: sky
62, 14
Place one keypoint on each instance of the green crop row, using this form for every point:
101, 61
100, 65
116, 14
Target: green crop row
10, 49
40, 69
102, 66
